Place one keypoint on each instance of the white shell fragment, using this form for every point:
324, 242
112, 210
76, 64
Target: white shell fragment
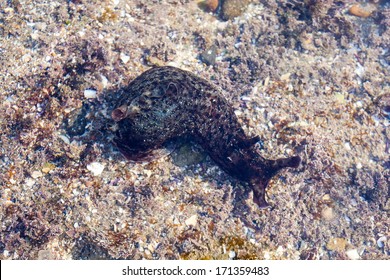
232, 255
64, 138
124, 57
353, 254
191, 221
381, 241
96, 168
90, 93
36, 174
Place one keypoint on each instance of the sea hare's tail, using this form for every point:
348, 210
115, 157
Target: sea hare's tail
259, 185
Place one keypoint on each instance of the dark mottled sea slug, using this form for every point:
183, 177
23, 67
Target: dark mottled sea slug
165, 103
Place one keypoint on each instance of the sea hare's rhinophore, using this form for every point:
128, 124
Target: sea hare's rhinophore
165, 103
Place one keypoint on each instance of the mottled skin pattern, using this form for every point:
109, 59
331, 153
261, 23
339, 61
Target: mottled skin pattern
165, 103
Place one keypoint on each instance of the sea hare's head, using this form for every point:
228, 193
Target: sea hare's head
119, 113
125, 111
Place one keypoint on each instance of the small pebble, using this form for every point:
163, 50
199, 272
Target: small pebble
327, 214
353, 254
47, 167
210, 5
336, 244
340, 97
360, 11
151, 248
147, 252
209, 56
36, 174
45, 255
30, 182
306, 41
285, 77
233, 8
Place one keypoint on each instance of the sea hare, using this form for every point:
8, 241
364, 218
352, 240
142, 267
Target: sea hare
165, 103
